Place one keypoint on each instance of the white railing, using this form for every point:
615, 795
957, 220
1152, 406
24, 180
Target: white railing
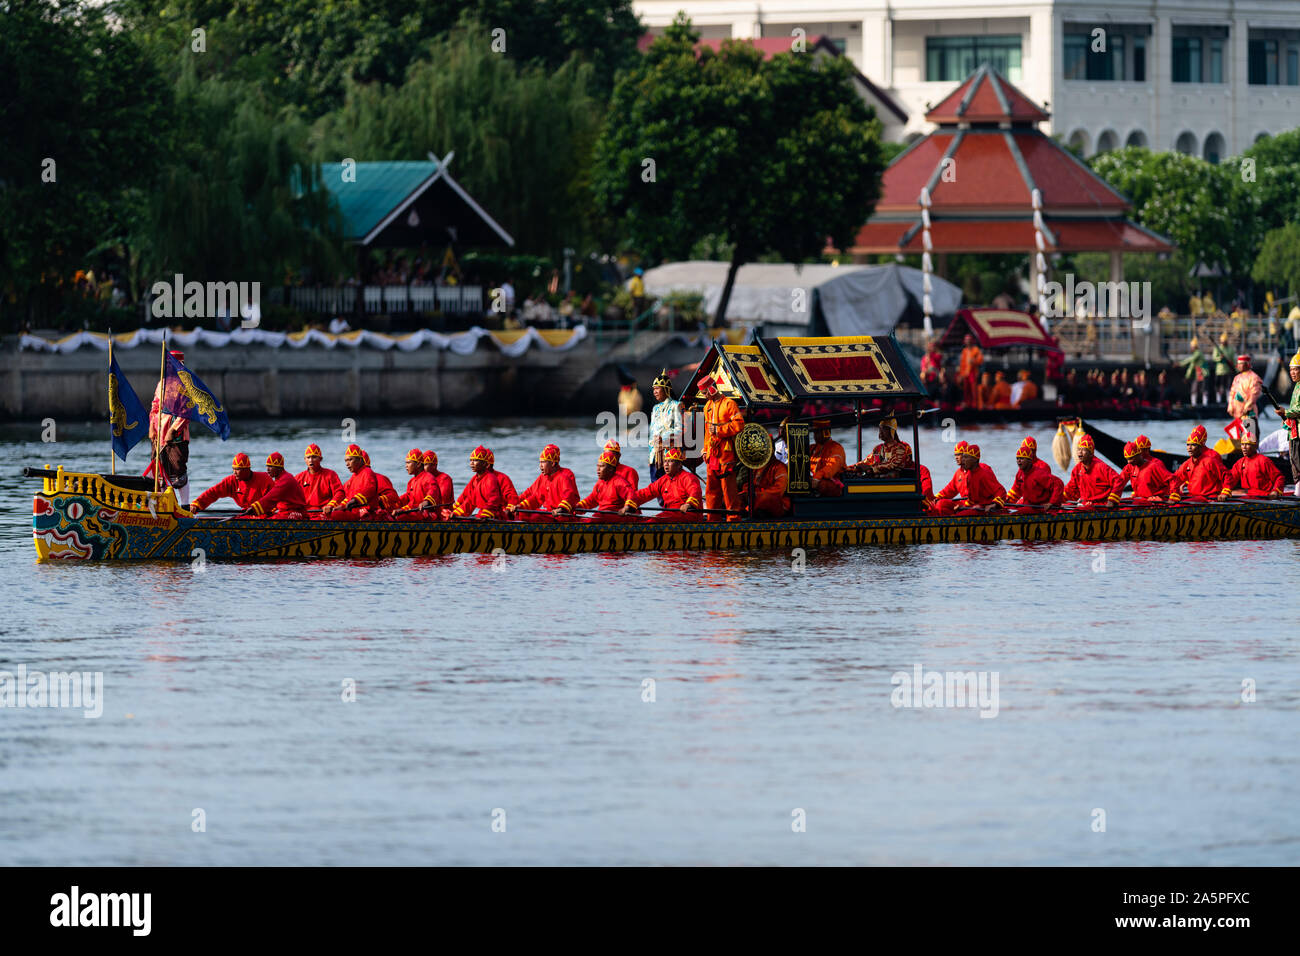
340, 300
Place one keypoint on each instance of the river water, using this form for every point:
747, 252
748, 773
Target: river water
649, 708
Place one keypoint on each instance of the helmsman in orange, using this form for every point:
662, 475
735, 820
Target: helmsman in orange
722, 422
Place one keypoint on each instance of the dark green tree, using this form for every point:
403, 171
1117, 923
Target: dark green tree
307, 52
1278, 264
80, 116
522, 134
775, 155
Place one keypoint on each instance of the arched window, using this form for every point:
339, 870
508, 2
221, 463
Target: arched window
1107, 141
1136, 138
1186, 143
1080, 142
1214, 148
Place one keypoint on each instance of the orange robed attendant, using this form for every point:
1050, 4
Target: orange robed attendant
770, 484
244, 485
1035, 484
973, 482
1253, 473
555, 490
1203, 472
1092, 479
722, 423
320, 485
610, 494
679, 489
1147, 473
968, 371
489, 492
826, 460
444, 493
419, 501
285, 499
360, 495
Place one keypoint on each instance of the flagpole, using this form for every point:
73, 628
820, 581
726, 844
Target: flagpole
112, 458
162, 400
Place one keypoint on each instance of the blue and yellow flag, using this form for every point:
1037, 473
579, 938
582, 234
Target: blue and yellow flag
128, 421
185, 396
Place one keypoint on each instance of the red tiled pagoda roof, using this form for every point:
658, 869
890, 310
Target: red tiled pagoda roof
986, 97
981, 182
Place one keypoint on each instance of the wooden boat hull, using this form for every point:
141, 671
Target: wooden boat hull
86, 517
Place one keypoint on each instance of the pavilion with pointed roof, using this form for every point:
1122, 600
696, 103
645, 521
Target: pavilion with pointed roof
980, 170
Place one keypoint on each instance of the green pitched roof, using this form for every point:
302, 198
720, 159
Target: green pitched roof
378, 191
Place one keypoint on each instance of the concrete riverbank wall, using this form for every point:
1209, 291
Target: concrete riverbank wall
255, 381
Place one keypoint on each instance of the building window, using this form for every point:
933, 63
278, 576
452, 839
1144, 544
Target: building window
952, 59
1198, 54
1105, 56
1187, 59
1273, 57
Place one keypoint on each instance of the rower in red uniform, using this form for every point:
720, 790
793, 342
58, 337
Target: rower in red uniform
1253, 473
1147, 473
1035, 484
679, 489
444, 493
555, 490
1092, 479
927, 484
245, 485
974, 483
417, 502
285, 499
488, 492
387, 493
1203, 472
320, 485
610, 494
360, 495
626, 472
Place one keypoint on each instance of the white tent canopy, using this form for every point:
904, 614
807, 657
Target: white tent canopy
854, 299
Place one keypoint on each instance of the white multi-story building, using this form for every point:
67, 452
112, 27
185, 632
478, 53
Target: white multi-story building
1206, 77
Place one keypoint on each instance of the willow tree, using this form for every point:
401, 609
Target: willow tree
770, 156
240, 199
522, 135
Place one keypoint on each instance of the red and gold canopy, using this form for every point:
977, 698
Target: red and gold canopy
781, 371
997, 329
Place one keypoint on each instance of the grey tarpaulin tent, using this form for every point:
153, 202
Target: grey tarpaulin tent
873, 299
